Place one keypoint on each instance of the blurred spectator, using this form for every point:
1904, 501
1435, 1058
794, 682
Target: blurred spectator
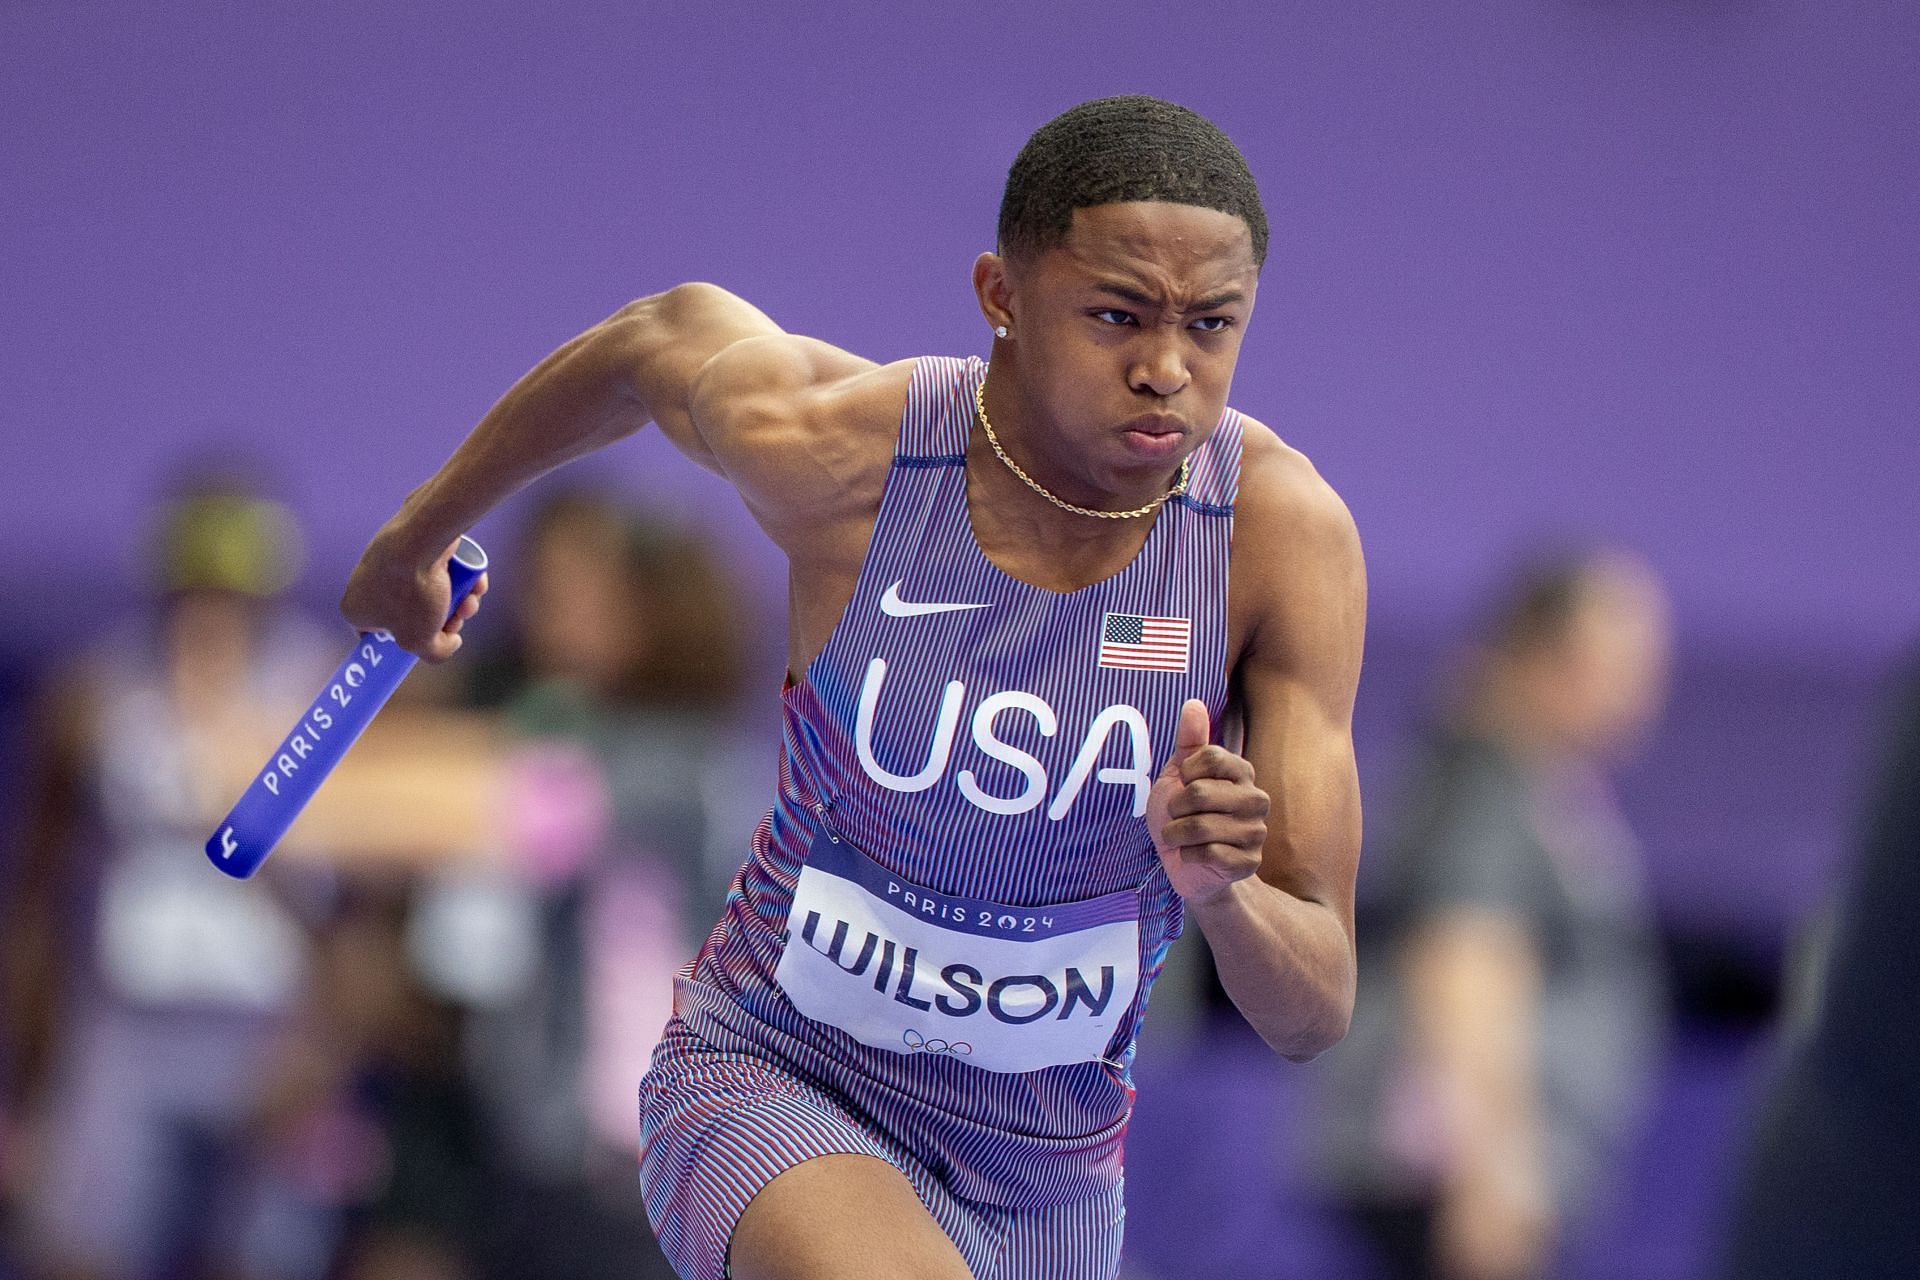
364, 1103
391, 1056
1511, 998
1833, 1176
620, 683
141, 987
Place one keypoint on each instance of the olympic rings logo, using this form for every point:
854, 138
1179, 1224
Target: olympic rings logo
920, 1044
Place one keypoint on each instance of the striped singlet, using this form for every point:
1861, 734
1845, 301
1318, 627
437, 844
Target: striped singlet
973, 752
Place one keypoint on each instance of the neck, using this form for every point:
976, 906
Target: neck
1007, 512
1006, 437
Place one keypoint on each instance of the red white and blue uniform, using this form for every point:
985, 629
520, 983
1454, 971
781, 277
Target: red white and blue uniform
940, 948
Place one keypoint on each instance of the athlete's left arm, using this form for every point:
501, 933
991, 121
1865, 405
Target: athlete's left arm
1264, 842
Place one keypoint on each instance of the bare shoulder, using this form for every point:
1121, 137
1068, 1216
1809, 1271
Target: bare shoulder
1287, 507
1299, 579
804, 430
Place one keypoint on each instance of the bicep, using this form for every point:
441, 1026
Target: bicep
1296, 689
802, 429
1302, 755
662, 344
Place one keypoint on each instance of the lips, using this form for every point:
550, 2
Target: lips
1157, 424
1155, 435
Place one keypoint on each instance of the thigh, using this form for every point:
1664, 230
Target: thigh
847, 1217
719, 1129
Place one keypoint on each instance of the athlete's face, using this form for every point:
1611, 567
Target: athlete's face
1124, 337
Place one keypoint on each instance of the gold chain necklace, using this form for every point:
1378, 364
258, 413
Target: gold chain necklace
1179, 486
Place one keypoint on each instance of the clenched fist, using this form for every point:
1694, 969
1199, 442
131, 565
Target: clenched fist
1207, 818
392, 591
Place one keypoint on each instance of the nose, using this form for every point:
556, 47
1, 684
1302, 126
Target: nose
1161, 366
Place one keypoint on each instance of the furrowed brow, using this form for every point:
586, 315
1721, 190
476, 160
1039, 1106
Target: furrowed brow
1131, 295
1135, 296
1218, 300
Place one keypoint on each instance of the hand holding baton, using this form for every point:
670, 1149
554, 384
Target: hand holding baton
334, 721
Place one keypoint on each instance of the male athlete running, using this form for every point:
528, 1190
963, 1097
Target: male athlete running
1013, 639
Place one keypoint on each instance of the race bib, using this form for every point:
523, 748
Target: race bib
898, 967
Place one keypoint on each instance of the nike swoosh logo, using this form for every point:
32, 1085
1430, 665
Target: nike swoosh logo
894, 607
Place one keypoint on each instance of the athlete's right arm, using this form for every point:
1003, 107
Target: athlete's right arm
642, 364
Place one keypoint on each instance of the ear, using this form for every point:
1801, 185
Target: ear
994, 290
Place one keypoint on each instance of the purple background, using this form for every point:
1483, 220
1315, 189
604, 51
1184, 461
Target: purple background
1633, 267
1638, 270
1642, 269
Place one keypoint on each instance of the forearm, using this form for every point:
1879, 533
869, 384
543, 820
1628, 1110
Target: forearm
1287, 963
634, 367
565, 408
1491, 1116
1472, 990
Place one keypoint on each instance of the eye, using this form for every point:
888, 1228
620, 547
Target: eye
1213, 324
1113, 315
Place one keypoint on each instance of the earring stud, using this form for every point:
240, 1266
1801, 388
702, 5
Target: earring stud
1000, 331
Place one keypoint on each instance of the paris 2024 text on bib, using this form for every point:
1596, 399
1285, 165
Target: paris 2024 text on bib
1005, 988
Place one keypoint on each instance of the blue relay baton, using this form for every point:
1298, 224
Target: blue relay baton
334, 722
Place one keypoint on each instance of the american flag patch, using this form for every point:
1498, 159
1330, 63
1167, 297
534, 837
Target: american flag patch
1132, 642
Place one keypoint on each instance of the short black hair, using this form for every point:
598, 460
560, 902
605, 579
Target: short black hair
1112, 150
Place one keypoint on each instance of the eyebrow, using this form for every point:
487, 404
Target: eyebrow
1138, 298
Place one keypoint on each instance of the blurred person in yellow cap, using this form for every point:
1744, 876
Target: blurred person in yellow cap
140, 990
